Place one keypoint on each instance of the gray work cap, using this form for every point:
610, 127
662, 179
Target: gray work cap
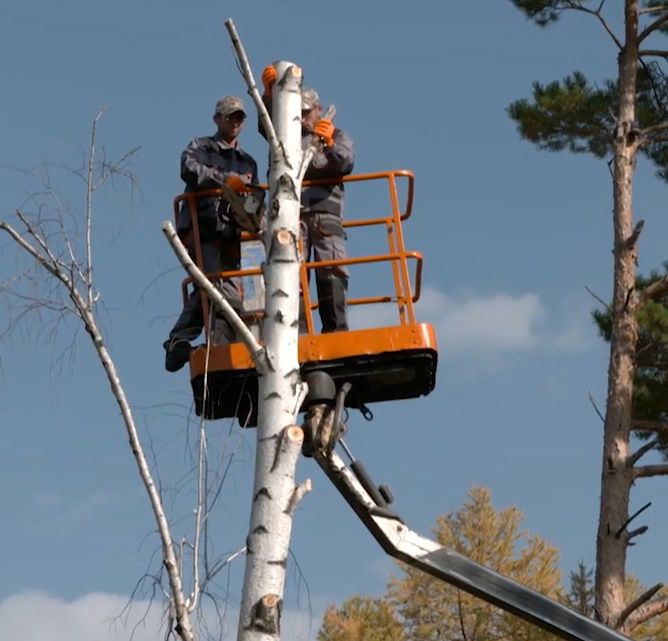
309, 99
228, 105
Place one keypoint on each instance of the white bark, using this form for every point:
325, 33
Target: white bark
280, 387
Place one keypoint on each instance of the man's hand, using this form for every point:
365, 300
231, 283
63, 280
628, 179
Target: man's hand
325, 130
268, 79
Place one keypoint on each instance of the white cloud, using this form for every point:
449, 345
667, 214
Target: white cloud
64, 513
493, 324
498, 322
100, 617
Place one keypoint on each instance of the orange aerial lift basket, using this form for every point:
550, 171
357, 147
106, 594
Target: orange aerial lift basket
396, 360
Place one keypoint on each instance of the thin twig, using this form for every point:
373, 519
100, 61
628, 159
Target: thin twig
252, 88
593, 402
599, 17
89, 211
596, 297
653, 26
636, 456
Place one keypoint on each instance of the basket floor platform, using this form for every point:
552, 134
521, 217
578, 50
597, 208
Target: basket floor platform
382, 364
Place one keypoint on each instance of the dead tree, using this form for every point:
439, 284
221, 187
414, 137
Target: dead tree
62, 262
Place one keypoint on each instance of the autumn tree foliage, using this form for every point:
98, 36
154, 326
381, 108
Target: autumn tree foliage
432, 610
418, 607
361, 618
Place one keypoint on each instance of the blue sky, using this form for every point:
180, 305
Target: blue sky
511, 237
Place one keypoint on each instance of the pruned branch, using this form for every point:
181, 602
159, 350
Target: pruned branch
631, 241
300, 492
637, 532
634, 605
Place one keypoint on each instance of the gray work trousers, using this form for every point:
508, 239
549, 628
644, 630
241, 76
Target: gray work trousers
323, 236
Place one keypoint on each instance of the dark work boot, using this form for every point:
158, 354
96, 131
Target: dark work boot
332, 303
177, 353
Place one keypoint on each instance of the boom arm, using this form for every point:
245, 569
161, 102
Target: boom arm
429, 556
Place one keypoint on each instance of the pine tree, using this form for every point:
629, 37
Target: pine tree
580, 595
617, 118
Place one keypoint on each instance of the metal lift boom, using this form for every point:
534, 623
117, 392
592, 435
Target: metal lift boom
402, 543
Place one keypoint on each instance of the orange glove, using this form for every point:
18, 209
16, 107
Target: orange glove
325, 130
236, 184
268, 79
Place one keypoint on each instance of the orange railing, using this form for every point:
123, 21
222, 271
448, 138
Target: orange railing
404, 295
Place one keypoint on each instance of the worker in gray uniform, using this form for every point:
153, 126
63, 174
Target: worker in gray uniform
323, 235
215, 162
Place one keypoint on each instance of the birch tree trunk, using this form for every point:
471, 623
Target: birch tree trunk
617, 474
280, 389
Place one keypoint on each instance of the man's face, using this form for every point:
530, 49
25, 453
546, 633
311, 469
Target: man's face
310, 117
230, 126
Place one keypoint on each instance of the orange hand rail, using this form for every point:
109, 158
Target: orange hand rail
405, 292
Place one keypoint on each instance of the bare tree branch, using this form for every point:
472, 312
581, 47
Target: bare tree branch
634, 605
634, 458
618, 533
596, 297
658, 289
650, 10
650, 470
653, 26
88, 280
252, 88
593, 402
598, 15
655, 53
644, 613
640, 425
256, 350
